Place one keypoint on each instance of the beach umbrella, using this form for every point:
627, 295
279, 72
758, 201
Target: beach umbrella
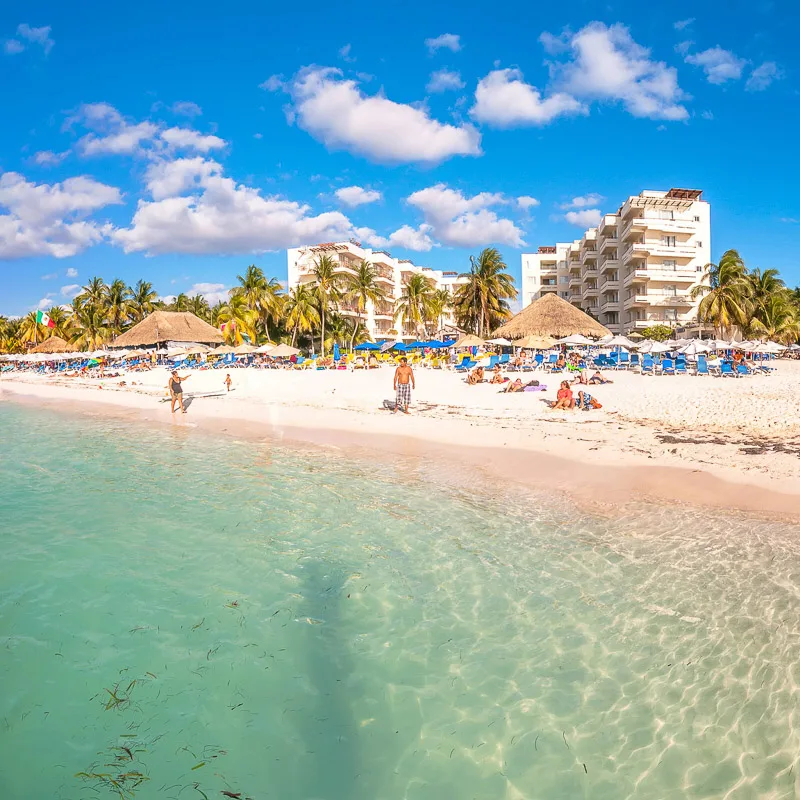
535, 342
695, 347
284, 351
660, 347
501, 342
575, 338
392, 346
435, 344
367, 346
226, 349
635, 335
619, 341
469, 340
606, 339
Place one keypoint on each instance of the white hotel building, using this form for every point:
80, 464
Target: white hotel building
393, 273
637, 268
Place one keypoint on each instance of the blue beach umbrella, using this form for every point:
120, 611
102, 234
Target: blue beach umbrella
367, 346
336, 352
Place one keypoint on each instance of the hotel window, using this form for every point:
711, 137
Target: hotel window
670, 291
671, 315
699, 244
669, 263
666, 215
697, 219
563, 278
668, 241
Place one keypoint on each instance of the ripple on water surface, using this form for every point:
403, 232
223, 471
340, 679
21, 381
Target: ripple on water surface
186, 616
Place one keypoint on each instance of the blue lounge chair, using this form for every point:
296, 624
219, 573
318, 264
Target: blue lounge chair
702, 366
492, 361
648, 365
504, 359
466, 365
667, 367
624, 360
634, 360
742, 370
680, 366
726, 370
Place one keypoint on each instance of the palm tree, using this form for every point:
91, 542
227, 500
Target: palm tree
726, 295
180, 303
63, 321
442, 303
198, 305
239, 319
263, 295
339, 330
94, 293
29, 329
301, 311
116, 299
143, 299
362, 288
90, 326
764, 286
326, 288
482, 302
778, 318
416, 305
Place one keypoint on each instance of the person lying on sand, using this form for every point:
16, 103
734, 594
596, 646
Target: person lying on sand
564, 399
497, 376
587, 402
476, 376
598, 377
515, 386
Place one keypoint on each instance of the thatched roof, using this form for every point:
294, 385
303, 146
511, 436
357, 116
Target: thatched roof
551, 316
169, 326
469, 340
55, 344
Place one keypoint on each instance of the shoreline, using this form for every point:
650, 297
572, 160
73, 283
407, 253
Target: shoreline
584, 461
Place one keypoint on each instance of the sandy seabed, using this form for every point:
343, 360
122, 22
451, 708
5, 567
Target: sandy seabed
731, 442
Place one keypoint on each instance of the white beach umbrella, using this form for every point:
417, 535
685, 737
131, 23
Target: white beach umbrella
606, 339
502, 342
660, 347
576, 338
265, 348
284, 351
695, 347
618, 341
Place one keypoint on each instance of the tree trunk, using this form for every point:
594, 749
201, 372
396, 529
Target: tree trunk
322, 340
294, 333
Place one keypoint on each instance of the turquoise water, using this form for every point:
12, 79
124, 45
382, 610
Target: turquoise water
214, 616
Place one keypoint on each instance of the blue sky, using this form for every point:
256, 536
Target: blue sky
180, 145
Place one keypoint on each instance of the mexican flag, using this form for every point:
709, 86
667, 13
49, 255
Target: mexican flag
43, 319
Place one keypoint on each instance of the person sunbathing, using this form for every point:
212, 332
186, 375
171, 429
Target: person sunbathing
598, 377
476, 376
497, 376
560, 362
515, 386
587, 402
564, 399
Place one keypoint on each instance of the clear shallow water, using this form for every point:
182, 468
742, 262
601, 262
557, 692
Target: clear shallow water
292, 625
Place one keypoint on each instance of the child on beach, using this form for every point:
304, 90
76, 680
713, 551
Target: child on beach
228, 380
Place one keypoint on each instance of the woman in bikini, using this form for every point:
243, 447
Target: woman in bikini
176, 390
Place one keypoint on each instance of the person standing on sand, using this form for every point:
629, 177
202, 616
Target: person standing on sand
228, 380
176, 390
403, 384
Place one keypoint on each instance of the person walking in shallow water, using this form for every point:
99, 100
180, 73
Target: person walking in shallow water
176, 390
403, 384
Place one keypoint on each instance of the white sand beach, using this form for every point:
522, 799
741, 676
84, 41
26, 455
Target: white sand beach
696, 431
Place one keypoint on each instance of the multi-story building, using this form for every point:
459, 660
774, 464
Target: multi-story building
392, 274
637, 268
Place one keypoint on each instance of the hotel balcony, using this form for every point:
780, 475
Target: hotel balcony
575, 297
575, 280
636, 301
609, 283
607, 263
591, 291
588, 256
679, 300
632, 228
608, 241
609, 305
682, 250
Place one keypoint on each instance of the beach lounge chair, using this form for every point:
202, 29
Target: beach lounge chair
648, 366
492, 361
504, 359
466, 365
680, 366
726, 370
742, 370
634, 360
623, 361
538, 360
667, 367
702, 366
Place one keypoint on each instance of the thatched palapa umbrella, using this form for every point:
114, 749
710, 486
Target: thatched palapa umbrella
169, 326
55, 344
469, 341
551, 316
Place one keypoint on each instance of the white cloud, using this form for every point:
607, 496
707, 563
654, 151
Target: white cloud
40, 36
48, 219
406, 237
71, 272
707, 114
45, 303
444, 80
186, 108
12, 47
586, 218
607, 64
448, 41
459, 221
718, 64
337, 113
503, 99
49, 276
47, 158
173, 178
188, 139
761, 77
227, 218
684, 47
526, 202
272, 84
213, 293
555, 44
126, 140
683, 23
357, 196
790, 220
344, 53
71, 290
582, 201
